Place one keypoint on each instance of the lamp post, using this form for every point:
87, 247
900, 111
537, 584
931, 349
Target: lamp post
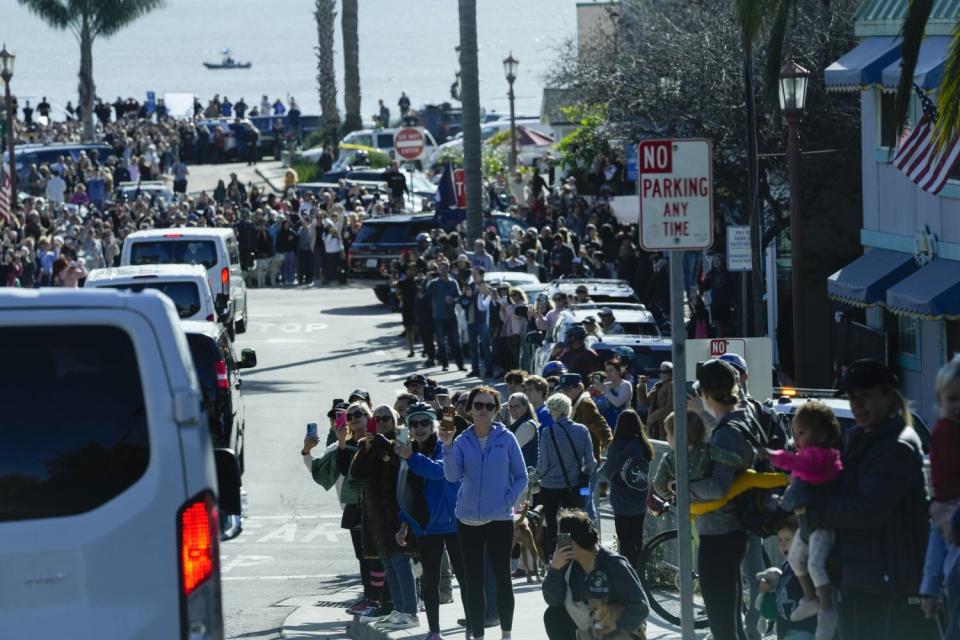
510, 65
6, 74
793, 97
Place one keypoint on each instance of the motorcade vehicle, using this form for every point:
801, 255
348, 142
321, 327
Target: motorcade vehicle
158, 192
35, 153
601, 290
215, 248
226, 125
529, 283
383, 139
112, 489
185, 284
487, 131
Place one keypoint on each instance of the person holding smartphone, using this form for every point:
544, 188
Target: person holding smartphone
487, 460
427, 507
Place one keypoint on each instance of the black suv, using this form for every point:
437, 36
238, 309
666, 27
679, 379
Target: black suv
218, 371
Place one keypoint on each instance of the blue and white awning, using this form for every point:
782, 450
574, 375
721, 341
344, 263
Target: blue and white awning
932, 293
863, 65
929, 70
864, 282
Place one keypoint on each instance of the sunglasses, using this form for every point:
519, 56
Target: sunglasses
415, 424
486, 406
354, 415
383, 418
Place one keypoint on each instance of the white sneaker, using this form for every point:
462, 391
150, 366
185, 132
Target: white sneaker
375, 616
806, 609
826, 624
400, 621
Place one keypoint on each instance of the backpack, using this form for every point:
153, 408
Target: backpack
759, 509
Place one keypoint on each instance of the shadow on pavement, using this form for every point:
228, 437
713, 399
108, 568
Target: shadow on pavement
359, 310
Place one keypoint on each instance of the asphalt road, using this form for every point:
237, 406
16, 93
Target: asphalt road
313, 345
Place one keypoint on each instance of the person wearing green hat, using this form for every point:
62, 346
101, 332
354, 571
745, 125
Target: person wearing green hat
427, 507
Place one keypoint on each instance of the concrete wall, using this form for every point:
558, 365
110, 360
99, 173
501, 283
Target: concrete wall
595, 23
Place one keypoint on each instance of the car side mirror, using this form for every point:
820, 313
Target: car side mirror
222, 304
248, 358
535, 337
228, 481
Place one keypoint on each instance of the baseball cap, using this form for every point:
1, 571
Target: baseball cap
589, 320
581, 288
441, 391
605, 311
420, 410
736, 360
866, 373
717, 375
340, 406
568, 380
360, 393
415, 378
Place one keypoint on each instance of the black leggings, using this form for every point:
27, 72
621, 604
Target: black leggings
371, 572
630, 537
431, 555
558, 624
718, 560
495, 538
553, 500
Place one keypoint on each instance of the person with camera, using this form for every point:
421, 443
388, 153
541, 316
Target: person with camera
513, 314
427, 502
586, 412
564, 465
487, 460
475, 301
591, 593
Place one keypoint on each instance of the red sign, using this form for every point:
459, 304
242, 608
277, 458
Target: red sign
460, 187
675, 184
718, 347
409, 143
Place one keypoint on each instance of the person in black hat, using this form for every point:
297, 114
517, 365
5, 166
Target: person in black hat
415, 384
360, 395
723, 540
879, 513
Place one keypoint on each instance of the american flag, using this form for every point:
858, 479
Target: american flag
917, 156
6, 196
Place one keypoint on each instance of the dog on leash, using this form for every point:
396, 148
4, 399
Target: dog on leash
528, 533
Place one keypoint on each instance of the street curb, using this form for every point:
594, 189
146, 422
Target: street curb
269, 181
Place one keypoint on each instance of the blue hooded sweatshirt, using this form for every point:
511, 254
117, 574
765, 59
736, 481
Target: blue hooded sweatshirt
440, 494
492, 480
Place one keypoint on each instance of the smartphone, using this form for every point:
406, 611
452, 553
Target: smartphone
341, 420
403, 434
372, 424
311, 429
563, 540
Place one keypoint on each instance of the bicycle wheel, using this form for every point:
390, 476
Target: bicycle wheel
660, 577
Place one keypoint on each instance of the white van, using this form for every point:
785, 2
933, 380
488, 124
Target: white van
185, 284
215, 248
108, 480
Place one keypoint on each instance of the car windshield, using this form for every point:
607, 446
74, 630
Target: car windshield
640, 328
386, 233
174, 252
185, 295
646, 361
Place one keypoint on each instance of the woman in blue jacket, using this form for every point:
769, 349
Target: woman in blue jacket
427, 504
488, 461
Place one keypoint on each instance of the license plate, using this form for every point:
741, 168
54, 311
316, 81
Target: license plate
371, 263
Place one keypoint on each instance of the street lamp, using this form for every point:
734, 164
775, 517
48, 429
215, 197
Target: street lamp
510, 65
793, 98
6, 74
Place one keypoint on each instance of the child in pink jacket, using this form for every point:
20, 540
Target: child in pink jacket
816, 436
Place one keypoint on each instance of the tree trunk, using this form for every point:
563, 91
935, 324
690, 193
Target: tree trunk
470, 83
349, 22
326, 76
86, 88
753, 199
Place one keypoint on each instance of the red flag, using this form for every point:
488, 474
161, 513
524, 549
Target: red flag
918, 158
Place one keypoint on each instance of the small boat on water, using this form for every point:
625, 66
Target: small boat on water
228, 63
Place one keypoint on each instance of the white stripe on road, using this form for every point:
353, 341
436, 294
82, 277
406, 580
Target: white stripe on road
311, 576
332, 515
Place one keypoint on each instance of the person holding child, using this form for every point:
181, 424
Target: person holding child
815, 466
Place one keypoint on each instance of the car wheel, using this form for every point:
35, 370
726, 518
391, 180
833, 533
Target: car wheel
241, 325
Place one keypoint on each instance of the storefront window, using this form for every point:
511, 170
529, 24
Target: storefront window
888, 120
909, 330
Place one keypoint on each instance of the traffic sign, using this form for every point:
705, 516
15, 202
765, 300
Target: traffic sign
676, 194
460, 187
758, 352
409, 143
739, 256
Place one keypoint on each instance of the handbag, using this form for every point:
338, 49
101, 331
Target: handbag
583, 479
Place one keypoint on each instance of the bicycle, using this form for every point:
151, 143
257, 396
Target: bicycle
660, 578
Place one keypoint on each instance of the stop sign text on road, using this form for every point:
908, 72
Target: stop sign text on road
409, 143
676, 194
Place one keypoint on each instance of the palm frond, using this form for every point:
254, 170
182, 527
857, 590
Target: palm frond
750, 15
948, 99
53, 12
778, 35
918, 12
113, 15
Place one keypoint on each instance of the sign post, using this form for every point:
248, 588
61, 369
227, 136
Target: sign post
676, 215
740, 258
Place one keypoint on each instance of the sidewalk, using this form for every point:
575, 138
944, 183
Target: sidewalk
326, 617
272, 173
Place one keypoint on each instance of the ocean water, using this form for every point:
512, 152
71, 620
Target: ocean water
405, 45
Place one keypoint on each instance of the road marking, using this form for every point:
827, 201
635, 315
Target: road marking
290, 327
307, 576
243, 561
286, 533
288, 517
286, 340
322, 529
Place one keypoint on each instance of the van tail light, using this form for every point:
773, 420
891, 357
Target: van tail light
223, 381
225, 279
210, 317
198, 538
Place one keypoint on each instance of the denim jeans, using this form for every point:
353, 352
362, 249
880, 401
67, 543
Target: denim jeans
447, 336
403, 586
289, 267
479, 333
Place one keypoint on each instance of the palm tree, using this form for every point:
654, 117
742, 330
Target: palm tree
326, 76
948, 95
349, 22
470, 86
87, 20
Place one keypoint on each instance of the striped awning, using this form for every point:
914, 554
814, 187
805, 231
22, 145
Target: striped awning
863, 65
931, 293
864, 282
929, 70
